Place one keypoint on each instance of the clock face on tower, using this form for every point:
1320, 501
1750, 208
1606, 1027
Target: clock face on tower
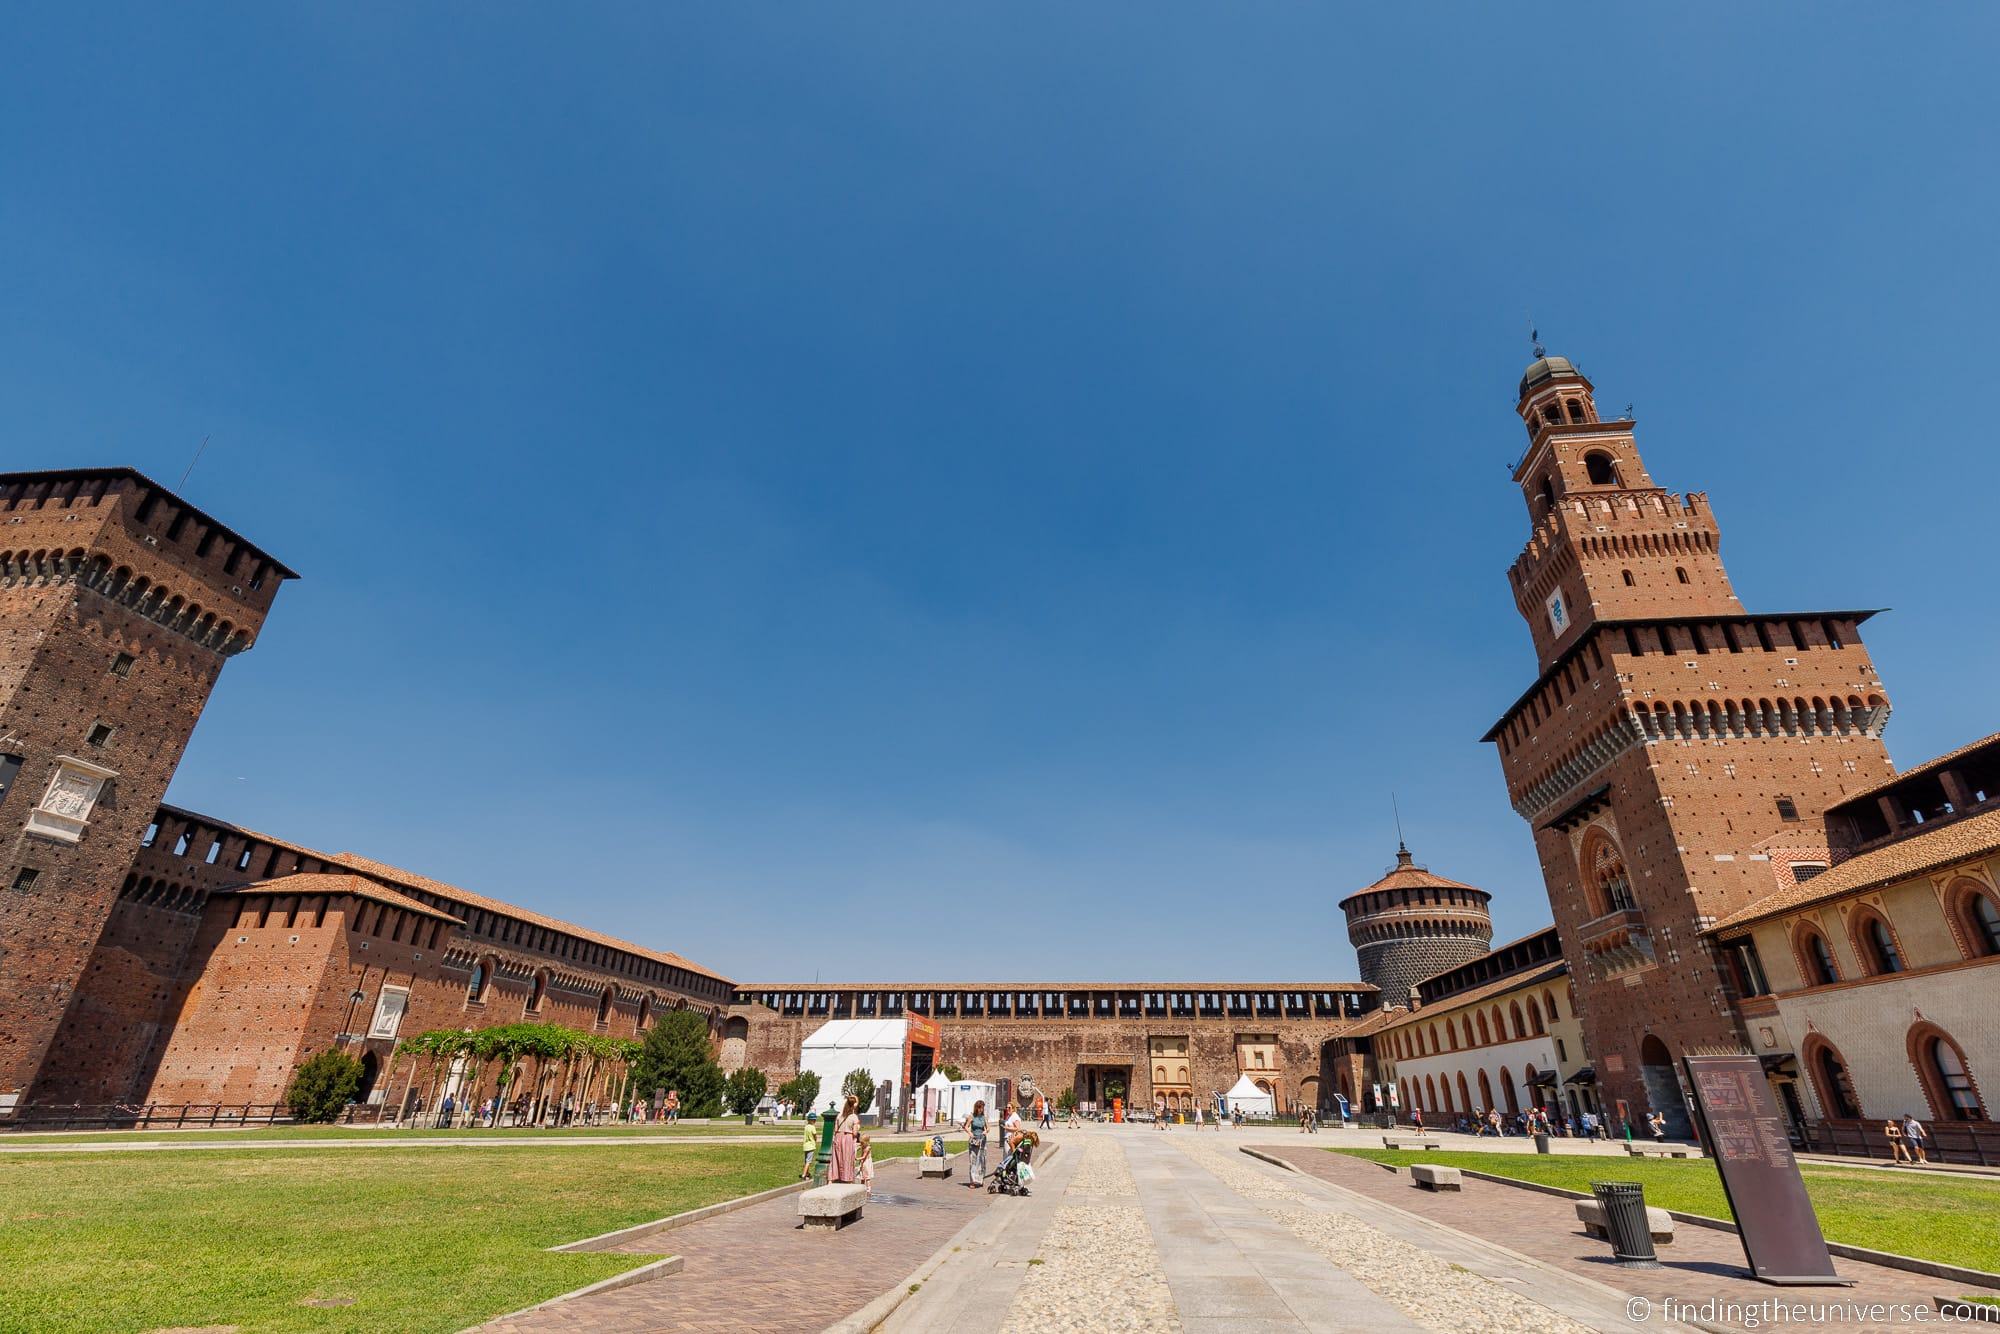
1558, 613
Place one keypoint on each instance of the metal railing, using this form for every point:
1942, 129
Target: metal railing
1976, 1143
152, 1115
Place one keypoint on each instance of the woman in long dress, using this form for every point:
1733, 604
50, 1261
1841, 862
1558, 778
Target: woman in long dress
846, 1139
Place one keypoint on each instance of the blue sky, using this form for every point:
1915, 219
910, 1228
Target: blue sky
769, 477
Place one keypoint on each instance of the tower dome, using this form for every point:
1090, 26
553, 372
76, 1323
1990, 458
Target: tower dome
1411, 924
1547, 368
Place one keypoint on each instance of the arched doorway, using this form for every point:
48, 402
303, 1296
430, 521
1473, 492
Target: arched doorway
371, 1070
1485, 1094
1663, 1086
735, 1042
1507, 1092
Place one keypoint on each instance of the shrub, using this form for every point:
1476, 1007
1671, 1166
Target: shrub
860, 1084
745, 1089
951, 1072
801, 1091
1066, 1100
323, 1086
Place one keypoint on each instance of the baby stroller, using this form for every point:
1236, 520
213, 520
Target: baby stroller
1015, 1173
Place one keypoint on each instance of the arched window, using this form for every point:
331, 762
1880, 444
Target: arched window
1485, 1034
1978, 915
1575, 410
1816, 958
475, 989
1520, 1025
1549, 413
1549, 1003
645, 1013
1548, 497
539, 994
1830, 1079
1605, 876
1507, 1091
1535, 1017
1464, 1094
1629, 581
1431, 1093
1680, 574
1875, 943
1485, 1092
1947, 1083
604, 1007
1598, 466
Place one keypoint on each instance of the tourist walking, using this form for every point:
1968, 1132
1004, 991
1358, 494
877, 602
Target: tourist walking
846, 1140
1914, 1136
1417, 1119
974, 1127
1899, 1152
811, 1146
864, 1168
1197, 1117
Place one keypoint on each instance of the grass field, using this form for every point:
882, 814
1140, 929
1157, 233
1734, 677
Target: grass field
789, 1130
1932, 1217
435, 1240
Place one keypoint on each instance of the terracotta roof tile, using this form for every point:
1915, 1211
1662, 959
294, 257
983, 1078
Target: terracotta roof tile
1916, 770
1406, 874
324, 883
1530, 977
1957, 841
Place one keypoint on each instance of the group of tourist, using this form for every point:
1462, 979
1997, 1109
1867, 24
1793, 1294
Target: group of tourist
975, 1127
1906, 1139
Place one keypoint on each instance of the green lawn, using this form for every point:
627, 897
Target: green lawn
788, 1130
1932, 1217
436, 1240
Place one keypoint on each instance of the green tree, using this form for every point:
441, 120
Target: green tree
801, 1091
1066, 1101
676, 1056
745, 1089
324, 1085
860, 1084
951, 1072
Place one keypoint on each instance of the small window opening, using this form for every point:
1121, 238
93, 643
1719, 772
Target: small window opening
1788, 810
25, 878
122, 664
1680, 574
1628, 578
99, 734
214, 851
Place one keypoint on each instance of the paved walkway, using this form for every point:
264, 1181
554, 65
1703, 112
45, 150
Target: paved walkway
755, 1269
1701, 1264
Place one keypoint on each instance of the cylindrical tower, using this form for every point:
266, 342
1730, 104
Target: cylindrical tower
1411, 924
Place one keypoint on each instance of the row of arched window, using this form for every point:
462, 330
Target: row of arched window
1972, 909
1941, 1070
1477, 1028
479, 987
1434, 1095
155, 602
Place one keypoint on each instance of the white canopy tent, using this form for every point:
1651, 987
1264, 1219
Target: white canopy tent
841, 1046
1252, 1101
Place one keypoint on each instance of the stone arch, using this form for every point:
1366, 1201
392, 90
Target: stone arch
1431, 1094
1827, 1069
1485, 1035
1875, 941
1947, 1079
1813, 953
1602, 864
1663, 1085
1485, 1093
1507, 1092
1464, 1094
1535, 1017
1974, 910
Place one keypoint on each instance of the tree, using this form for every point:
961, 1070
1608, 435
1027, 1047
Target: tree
951, 1072
746, 1089
801, 1091
1066, 1100
323, 1086
676, 1056
860, 1085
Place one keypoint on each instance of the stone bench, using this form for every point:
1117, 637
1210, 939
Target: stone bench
1426, 1177
832, 1206
1656, 1151
1658, 1222
1408, 1142
934, 1167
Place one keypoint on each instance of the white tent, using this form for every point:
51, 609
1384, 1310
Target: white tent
841, 1046
1252, 1101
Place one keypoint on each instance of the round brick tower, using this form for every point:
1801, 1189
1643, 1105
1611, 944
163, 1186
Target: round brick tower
1411, 924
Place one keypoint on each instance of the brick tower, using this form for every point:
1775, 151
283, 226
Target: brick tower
119, 603
1411, 924
1674, 746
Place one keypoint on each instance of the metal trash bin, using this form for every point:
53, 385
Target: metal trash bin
1624, 1205
1541, 1141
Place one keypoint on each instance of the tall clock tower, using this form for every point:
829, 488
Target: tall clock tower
1676, 751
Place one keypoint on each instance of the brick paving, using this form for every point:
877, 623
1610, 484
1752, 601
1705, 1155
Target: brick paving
754, 1269
1700, 1264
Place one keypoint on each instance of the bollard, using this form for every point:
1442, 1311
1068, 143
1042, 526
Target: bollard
1624, 1205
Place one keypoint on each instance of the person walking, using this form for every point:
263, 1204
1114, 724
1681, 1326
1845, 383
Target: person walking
1657, 1124
1197, 1118
1048, 1117
673, 1107
811, 1145
1899, 1152
864, 1167
974, 1127
846, 1140
1914, 1136
1417, 1119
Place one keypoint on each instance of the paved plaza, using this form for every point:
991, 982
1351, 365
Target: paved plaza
1132, 1228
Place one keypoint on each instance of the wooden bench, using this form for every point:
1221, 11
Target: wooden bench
1658, 1222
1656, 1151
1409, 1141
833, 1206
1426, 1177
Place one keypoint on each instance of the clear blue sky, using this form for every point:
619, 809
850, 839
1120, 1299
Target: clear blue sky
767, 477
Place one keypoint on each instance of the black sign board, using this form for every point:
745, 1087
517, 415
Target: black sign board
1742, 1128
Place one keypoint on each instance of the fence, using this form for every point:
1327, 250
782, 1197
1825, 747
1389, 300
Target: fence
121, 1116
1950, 1142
